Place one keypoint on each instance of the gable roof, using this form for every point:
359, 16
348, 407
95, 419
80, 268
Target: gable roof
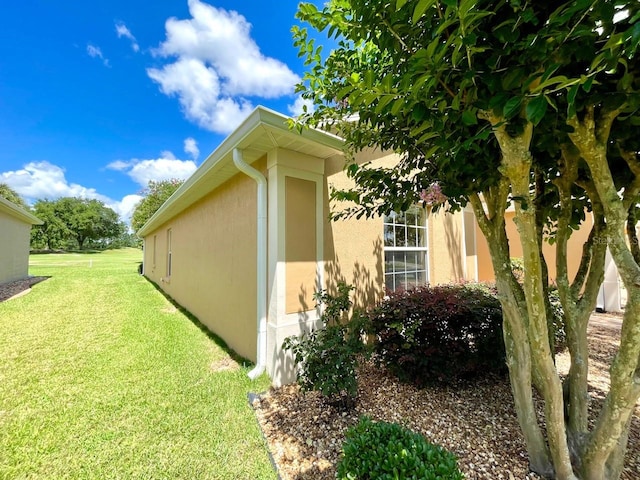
20, 213
262, 131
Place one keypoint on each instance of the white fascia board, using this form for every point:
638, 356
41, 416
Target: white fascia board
17, 212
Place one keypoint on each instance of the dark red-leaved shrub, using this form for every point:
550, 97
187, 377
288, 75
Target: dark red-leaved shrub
439, 333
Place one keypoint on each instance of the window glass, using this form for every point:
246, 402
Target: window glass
388, 235
405, 247
169, 253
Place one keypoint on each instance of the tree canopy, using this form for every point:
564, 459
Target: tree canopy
156, 193
491, 104
76, 219
14, 197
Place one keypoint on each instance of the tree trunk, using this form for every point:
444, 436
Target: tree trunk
578, 298
538, 336
605, 447
607, 442
516, 165
515, 337
540, 184
519, 363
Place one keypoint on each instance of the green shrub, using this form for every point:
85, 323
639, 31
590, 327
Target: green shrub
327, 358
438, 333
380, 451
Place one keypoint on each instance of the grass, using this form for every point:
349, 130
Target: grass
101, 377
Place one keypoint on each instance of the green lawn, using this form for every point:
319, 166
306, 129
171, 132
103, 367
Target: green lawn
100, 377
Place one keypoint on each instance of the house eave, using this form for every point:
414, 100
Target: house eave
262, 131
21, 214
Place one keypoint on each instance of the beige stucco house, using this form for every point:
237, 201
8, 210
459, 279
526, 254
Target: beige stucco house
15, 237
245, 242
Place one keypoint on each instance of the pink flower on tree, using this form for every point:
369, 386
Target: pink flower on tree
433, 195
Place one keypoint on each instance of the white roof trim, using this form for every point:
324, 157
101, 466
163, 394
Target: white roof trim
261, 123
18, 212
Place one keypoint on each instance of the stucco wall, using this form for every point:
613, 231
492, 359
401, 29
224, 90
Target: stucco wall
446, 248
578, 237
14, 248
354, 249
214, 261
300, 244
295, 253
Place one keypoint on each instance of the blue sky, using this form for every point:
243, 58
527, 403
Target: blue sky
97, 98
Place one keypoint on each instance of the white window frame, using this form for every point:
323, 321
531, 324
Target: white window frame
397, 243
169, 254
155, 245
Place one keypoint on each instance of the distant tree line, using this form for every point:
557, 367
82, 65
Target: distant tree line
73, 223
78, 223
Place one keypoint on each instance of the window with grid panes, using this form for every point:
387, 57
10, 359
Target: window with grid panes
405, 249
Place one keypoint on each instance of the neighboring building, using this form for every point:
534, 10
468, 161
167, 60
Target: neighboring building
15, 237
245, 242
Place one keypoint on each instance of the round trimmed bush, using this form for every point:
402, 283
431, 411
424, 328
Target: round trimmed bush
388, 451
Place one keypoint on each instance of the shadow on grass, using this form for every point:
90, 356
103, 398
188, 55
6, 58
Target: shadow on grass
239, 359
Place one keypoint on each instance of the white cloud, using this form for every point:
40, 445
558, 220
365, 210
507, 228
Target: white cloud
96, 52
191, 147
118, 165
297, 108
125, 207
123, 31
218, 64
44, 180
164, 168
38, 180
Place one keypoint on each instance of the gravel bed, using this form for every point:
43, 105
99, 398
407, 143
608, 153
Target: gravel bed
475, 420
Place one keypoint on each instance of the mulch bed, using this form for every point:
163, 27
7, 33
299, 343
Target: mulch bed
474, 420
19, 287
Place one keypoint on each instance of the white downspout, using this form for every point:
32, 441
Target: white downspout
261, 268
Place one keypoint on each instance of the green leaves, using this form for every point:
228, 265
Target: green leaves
156, 193
390, 451
436, 81
469, 117
10, 194
536, 109
75, 219
327, 358
421, 7
512, 107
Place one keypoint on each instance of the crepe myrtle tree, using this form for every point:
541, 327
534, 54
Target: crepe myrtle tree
529, 104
